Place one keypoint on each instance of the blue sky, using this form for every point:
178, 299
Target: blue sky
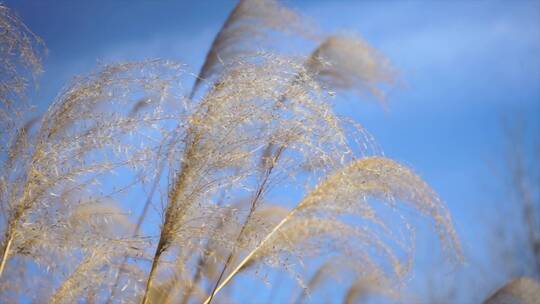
464, 66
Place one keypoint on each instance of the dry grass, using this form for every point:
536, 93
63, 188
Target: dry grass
521, 290
20, 62
349, 62
263, 124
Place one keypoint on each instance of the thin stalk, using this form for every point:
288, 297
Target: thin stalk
171, 213
159, 250
170, 216
25, 203
138, 226
5, 252
250, 255
279, 152
254, 201
202, 260
9, 236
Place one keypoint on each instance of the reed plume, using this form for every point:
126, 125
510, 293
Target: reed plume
236, 120
519, 290
249, 21
354, 184
348, 62
77, 146
20, 54
264, 125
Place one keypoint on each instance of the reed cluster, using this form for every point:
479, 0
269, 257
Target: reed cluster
209, 168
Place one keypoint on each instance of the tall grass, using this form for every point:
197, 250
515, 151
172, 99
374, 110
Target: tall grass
213, 161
